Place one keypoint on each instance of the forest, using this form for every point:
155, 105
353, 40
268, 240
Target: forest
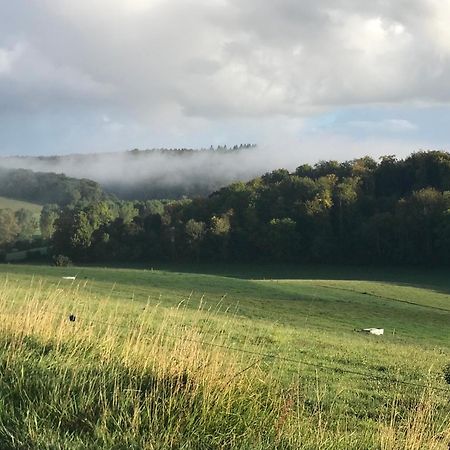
395, 211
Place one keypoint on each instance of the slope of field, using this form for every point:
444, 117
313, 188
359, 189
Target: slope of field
274, 362
15, 205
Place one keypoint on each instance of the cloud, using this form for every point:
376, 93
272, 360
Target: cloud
192, 65
29, 81
244, 58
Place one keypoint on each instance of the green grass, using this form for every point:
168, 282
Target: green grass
331, 387
15, 205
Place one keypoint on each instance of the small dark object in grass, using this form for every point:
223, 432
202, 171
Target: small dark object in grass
72, 318
447, 373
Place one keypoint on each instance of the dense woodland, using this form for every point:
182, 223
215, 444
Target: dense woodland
391, 211
360, 211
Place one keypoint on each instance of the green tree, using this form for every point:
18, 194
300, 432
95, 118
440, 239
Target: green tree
346, 194
195, 232
219, 234
282, 239
127, 212
28, 224
9, 228
47, 220
421, 215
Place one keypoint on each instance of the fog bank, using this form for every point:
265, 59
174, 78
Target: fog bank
161, 173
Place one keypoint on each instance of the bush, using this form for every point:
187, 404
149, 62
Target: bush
447, 373
62, 261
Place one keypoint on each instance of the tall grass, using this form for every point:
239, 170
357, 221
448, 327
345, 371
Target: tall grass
142, 378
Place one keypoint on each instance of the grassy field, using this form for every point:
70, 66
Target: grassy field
201, 357
15, 205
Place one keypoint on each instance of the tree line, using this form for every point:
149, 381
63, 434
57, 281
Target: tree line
360, 211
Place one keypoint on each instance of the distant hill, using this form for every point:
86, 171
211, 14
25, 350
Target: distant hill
157, 173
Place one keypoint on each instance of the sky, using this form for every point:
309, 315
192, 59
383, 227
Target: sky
326, 79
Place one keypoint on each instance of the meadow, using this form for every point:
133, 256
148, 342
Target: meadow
233, 356
15, 205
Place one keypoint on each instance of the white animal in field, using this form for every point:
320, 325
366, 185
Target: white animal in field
376, 331
69, 278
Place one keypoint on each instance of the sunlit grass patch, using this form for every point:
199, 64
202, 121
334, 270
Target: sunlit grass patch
142, 371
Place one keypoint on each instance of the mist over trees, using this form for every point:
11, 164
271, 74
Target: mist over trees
158, 173
360, 211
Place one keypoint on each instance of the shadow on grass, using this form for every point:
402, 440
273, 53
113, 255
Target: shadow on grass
434, 278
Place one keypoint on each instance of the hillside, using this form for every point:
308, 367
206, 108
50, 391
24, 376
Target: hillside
234, 357
158, 173
47, 187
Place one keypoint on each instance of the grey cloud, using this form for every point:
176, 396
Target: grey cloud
234, 57
170, 63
